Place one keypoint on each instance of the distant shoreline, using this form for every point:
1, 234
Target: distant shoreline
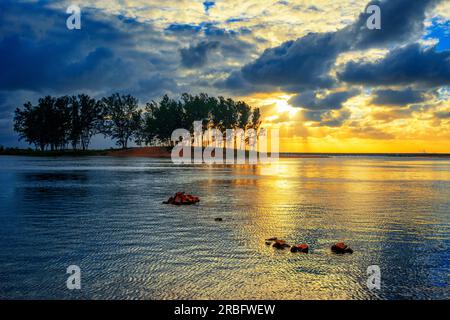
165, 152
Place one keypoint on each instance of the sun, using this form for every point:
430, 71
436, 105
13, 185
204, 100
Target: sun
274, 106
283, 106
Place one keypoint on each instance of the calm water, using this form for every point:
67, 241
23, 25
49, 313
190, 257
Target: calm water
105, 215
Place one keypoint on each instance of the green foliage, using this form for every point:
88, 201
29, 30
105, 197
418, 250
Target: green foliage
161, 119
122, 118
46, 124
87, 116
56, 123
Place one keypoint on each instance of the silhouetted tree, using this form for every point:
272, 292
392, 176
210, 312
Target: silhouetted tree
161, 119
255, 122
86, 116
46, 124
196, 108
122, 118
26, 124
60, 123
91, 117
75, 130
56, 123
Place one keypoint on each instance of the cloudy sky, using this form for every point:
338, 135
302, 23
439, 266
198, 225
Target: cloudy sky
317, 73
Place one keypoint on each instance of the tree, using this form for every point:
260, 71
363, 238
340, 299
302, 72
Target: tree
196, 108
86, 116
244, 114
90, 119
46, 124
60, 123
56, 123
27, 126
122, 118
43, 118
161, 119
223, 114
75, 130
255, 122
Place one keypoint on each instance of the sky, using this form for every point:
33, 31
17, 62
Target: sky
319, 75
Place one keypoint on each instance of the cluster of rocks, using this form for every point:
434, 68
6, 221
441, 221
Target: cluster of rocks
180, 198
338, 248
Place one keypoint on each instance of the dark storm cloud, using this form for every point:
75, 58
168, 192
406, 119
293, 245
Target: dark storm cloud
197, 56
407, 65
333, 101
154, 85
236, 83
208, 39
38, 52
320, 109
390, 97
401, 22
39, 56
303, 63
110, 53
306, 62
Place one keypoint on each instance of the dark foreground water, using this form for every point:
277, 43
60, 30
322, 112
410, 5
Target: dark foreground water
105, 215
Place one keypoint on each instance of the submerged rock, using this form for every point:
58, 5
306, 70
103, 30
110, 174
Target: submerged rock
270, 241
341, 248
303, 248
218, 219
180, 198
280, 245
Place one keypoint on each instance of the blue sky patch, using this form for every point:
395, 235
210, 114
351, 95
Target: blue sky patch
441, 31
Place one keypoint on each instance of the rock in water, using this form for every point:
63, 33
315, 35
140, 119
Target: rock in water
180, 198
303, 248
341, 248
270, 241
280, 245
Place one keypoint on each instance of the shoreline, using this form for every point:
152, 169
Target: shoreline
165, 152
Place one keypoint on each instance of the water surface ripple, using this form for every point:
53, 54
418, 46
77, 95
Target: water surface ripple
106, 216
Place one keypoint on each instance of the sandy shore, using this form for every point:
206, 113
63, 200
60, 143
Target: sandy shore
145, 152
164, 152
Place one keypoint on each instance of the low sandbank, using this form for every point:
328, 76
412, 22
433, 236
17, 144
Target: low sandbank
165, 152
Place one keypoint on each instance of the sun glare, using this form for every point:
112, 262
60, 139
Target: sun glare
283, 106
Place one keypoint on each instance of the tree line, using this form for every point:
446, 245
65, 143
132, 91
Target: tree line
60, 123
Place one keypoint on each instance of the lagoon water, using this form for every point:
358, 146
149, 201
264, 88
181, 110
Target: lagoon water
106, 216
